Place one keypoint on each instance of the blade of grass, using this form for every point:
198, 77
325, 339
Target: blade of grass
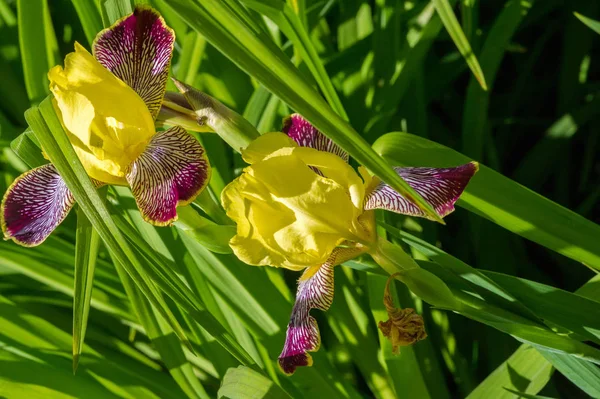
90, 18
7, 14
525, 371
87, 243
291, 24
477, 101
35, 54
54, 275
112, 10
245, 383
449, 20
163, 339
35, 362
28, 150
584, 375
590, 23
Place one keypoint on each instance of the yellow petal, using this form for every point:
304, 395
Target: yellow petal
108, 123
290, 216
266, 145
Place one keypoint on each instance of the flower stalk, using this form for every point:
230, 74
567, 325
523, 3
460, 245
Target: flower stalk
422, 283
232, 127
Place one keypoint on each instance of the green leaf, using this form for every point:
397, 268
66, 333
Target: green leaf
245, 383
35, 363
562, 310
27, 148
526, 371
113, 10
163, 339
90, 18
87, 242
290, 23
447, 16
212, 236
475, 113
36, 55
248, 48
584, 375
526, 395
590, 23
501, 200
34, 264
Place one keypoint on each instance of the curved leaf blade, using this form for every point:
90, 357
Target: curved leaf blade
503, 201
449, 20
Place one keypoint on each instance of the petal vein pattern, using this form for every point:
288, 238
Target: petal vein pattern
138, 50
315, 292
306, 135
441, 187
172, 171
34, 205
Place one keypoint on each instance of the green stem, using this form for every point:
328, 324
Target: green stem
426, 285
232, 127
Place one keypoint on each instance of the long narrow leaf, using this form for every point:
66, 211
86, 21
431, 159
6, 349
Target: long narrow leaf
444, 9
502, 200
87, 243
590, 23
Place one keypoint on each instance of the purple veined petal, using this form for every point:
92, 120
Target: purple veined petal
306, 135
34, 205
302, 336
172, 171
315, 291
441, 187
138, 50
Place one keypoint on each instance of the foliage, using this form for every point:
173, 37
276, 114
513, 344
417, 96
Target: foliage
139, 311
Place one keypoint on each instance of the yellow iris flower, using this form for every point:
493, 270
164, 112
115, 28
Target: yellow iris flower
287, 214
300, 205
107, 103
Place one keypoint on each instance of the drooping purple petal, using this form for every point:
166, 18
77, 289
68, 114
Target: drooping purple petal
34, 205
306, 135
171, 171
138, 50
441, 187
315, 292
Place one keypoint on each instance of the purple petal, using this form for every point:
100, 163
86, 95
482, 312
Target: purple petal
306, 135
138, 50
314, 292
171, 171
34, 205
440, 187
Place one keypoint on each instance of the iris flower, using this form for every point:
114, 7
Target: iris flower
107, 104
301, 206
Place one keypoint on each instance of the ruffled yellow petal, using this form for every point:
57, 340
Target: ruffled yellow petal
108, 123
266, 145
293, 206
